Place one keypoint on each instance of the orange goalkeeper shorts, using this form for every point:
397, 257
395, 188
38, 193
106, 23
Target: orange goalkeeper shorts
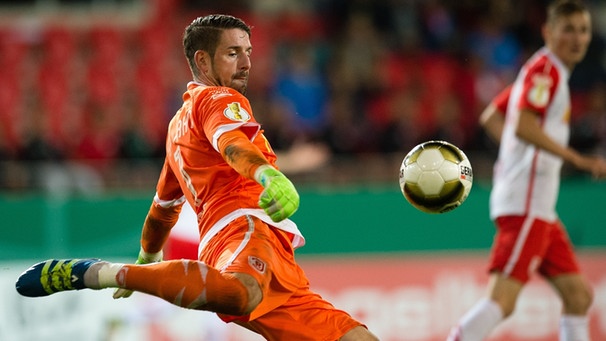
289, 309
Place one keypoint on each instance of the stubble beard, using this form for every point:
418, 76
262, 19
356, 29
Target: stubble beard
242, 88
243, 78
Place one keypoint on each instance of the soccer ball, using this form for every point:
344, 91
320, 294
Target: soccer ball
436, 177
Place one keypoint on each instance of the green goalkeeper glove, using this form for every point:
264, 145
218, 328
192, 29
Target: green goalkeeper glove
144, 258
280, 199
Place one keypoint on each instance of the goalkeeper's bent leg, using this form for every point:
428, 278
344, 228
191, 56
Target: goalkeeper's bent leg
190, 284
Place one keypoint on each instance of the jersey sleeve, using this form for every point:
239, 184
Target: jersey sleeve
168, 191
539, 86
501, 100
226, 111
247, 158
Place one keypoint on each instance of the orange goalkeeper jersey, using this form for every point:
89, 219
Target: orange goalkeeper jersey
194, 169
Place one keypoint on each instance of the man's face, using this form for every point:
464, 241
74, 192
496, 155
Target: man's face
568, 37
231, 62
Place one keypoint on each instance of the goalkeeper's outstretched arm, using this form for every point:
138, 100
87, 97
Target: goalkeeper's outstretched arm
156, 229
280, 199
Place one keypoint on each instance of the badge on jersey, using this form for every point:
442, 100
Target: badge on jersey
539, 92
257, 264
235, 112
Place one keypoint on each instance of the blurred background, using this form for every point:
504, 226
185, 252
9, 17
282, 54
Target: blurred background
344, 89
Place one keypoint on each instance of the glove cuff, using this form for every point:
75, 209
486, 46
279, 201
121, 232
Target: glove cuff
146, 257
263, 173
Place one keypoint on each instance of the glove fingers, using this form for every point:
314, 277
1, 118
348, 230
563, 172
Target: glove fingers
277, 217
278, 211
122, 293
280, 199
265, 200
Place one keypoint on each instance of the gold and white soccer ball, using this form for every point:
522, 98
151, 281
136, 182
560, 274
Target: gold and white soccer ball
436, 177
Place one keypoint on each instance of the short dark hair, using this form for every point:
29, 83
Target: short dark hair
204, 33
564, 8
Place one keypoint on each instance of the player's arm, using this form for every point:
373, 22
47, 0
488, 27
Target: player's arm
160, 219
492, 121
492, 118
157, 226
280, 199
162, 214
529, 129
240, 153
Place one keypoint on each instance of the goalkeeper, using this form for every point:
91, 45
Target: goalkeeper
219, 161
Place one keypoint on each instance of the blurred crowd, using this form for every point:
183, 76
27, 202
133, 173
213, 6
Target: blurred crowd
86, 105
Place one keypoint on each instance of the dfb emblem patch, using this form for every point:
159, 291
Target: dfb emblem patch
235, 112
257, 264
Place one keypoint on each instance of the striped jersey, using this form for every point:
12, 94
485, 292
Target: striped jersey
526, 179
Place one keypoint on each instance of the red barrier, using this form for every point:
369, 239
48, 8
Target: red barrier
420, 297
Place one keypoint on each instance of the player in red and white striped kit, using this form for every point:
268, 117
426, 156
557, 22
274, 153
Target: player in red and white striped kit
531, 119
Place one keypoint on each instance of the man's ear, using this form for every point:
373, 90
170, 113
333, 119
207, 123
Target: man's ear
203, 62
546, 32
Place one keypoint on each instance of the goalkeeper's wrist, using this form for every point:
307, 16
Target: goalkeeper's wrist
148, 257
264, 172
